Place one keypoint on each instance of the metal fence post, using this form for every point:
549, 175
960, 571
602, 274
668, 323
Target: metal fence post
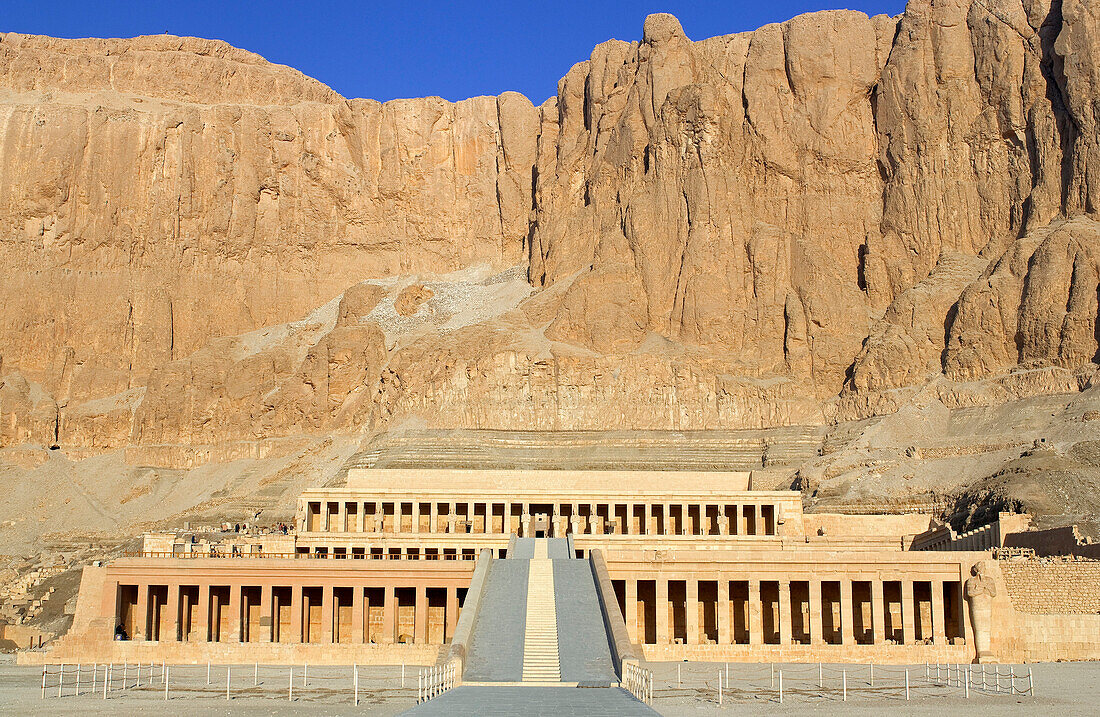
164, 678
844, 679
781, 687
43, 682
60, 679
228, 670
290, 694
906, 684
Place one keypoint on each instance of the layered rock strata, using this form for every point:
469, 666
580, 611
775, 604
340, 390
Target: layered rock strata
807, 223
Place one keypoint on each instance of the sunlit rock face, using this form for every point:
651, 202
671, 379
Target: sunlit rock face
807, 223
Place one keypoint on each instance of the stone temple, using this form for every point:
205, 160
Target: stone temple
524, 571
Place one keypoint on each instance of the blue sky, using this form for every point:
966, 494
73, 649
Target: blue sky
385, 50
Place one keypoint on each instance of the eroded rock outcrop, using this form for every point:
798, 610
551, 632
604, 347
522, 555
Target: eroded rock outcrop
811, 222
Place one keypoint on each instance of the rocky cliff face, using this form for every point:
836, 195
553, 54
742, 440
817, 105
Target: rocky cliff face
808, 223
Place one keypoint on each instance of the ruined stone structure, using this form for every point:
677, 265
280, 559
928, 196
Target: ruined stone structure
686, 565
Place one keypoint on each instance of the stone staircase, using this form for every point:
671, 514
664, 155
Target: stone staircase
540, 639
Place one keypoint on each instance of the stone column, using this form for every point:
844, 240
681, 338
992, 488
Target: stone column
201, 630
173, 608
235, 600
267, 615
632, 609
452, 518
452, 612
328, 633
939, 633
141, 614
389, 616
756, 624
685, 520
420, 616
878, 612
785, 623
816, 628
360, 516
416, 516
723, 522
342, 517
324, 515
724, 632
662, 612
908, 631
847, 631
357, 615
691, 611
297, 614
525, 520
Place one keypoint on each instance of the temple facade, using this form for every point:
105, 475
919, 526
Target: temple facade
687, 565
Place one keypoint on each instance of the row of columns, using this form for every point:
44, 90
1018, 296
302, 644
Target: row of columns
755, 607
202, 627
602, 518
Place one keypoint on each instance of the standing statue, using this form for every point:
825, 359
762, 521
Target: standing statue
981, 588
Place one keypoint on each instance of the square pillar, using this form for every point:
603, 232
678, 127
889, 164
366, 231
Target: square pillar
785, 612
816, 632
327, 612
452, 612
341, 517
297, 597
632, 610
909, 635
420, 616
234, 608
416, 516
267, 614
357, 615
389, 616
360, 516
756, 623
662, 612
724, 632
939, 633
878, 612
141, 613
201, 621
324, 516
173, 608
691, 609
847, 628
685, 520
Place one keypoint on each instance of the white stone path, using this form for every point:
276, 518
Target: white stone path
540, 640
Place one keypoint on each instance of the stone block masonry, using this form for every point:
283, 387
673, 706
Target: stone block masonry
1054, 586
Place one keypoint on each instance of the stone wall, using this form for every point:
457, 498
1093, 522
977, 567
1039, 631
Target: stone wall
1065, 540
1069, 587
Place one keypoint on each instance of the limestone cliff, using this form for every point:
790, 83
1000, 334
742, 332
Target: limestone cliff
809, 223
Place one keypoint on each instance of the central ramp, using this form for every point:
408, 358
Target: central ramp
539, 635
540, 640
